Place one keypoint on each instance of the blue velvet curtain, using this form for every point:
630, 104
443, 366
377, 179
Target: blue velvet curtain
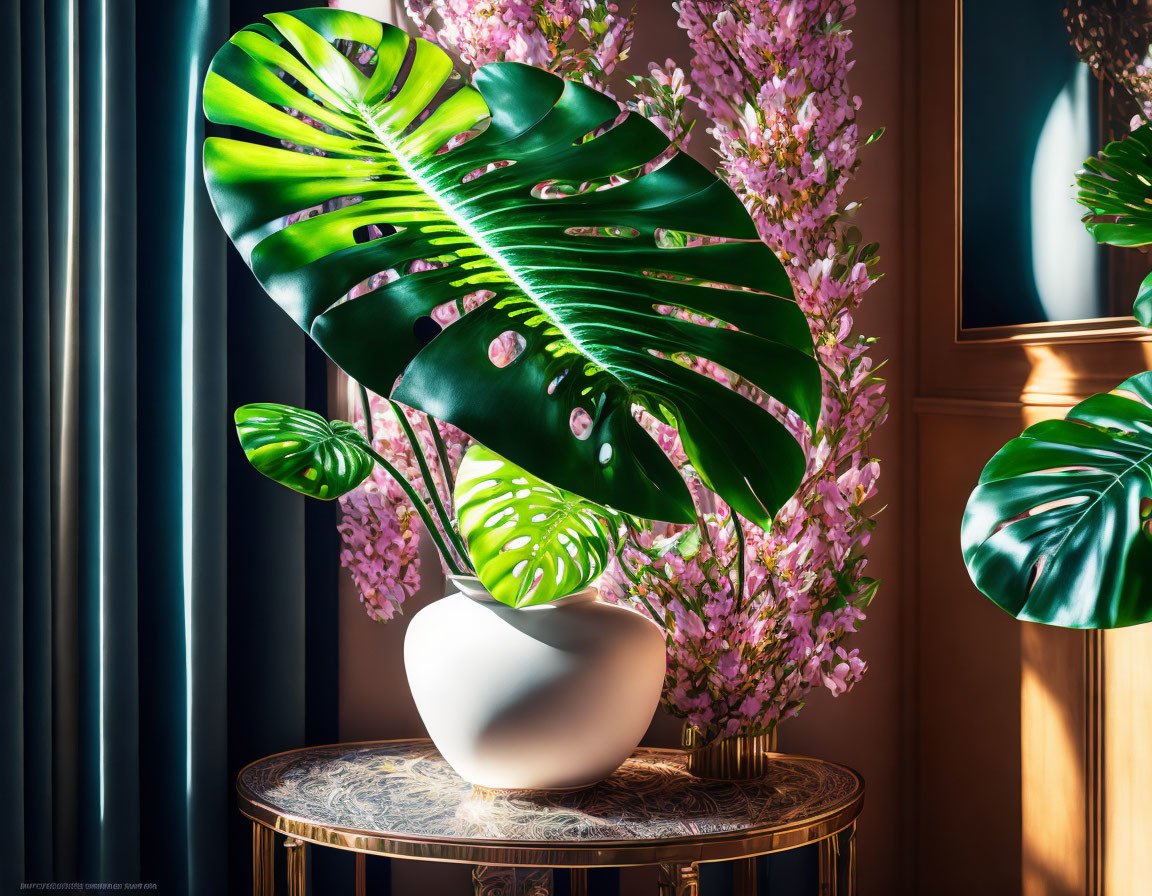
154, 635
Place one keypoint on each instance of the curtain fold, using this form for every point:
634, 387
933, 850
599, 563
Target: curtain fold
154, 634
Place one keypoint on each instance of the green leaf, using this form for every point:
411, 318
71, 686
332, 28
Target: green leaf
867, 593
530, 542
1142, 309
1116, 188
579, 280
861, 591
1057, 531
688, 544
302, 450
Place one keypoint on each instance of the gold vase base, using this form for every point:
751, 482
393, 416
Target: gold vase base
741, 757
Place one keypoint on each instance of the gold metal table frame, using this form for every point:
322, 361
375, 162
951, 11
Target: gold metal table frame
401, 799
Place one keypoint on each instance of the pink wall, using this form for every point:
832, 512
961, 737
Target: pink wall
871, 728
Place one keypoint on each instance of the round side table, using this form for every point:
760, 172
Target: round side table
400, 798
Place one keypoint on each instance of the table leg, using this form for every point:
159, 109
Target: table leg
679, 879
838, 863
744, 877
492, 880
361, 874
297, 866
263, 847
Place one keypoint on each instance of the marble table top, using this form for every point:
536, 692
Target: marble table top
401, 798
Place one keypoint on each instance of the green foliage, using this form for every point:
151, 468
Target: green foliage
527, 214
1058, 529
530, 542
1116, 188
302, 450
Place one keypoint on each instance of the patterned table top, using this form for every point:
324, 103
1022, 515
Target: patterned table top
401, 798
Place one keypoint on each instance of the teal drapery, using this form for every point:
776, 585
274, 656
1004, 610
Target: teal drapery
153, 631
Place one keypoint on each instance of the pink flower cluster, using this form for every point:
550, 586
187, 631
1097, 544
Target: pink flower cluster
735, 664
578, 38
772, 77
379, 524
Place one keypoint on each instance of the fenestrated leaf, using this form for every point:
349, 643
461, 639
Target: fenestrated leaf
1057, 531
302, 450
530, 542
584, 278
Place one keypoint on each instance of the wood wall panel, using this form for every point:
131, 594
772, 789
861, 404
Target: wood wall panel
1025, 785
969, 810
1054, 790
1127, 766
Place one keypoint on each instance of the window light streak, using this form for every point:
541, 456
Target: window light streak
69, 402
102, 379
187, 363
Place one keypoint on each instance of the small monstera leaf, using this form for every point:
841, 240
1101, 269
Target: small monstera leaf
1116, 188
1057, 531
547, 229
302, 450
530, 542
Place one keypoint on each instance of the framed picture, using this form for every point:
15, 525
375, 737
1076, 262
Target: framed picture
1030, 113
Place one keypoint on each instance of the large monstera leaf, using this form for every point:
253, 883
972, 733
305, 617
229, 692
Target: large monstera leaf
1116, 188
579, 271
530, 542
316, 457
1058, 530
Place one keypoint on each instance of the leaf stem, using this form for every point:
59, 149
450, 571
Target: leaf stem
366, 408
739, 560
657, 618
421, 508
445, 463
426, 472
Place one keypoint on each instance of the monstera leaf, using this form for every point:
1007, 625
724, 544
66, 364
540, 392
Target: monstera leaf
591, 280
530, 541
1116, 188
1058, 529
302, 450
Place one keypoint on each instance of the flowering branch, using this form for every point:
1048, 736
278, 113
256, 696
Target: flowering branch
577, 38
757, 618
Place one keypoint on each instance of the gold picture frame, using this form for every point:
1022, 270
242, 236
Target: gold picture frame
1100, 329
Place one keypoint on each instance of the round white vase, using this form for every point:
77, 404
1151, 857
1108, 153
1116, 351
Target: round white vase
543, 698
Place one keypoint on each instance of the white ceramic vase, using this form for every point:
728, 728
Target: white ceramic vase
544, 698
